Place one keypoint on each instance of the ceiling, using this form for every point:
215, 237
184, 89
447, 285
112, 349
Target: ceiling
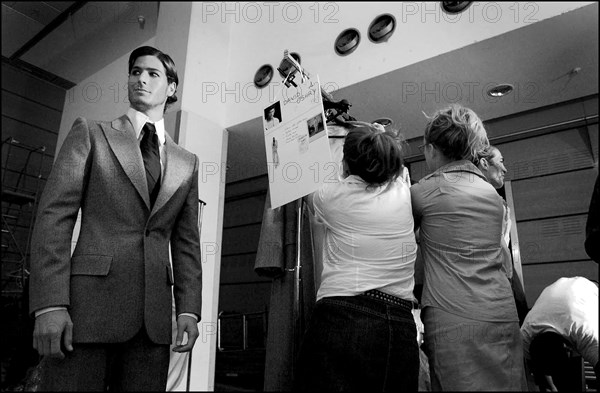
50, 39
550, 61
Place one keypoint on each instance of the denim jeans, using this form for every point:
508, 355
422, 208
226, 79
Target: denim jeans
358, 343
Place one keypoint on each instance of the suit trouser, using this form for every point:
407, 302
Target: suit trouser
135, 365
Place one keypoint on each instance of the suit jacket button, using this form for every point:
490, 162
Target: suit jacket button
147, 233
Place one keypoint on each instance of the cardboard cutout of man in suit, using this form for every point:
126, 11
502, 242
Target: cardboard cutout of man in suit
103, 315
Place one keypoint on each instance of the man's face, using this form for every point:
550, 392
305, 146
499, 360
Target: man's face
427, 152
496, 170
148, 86
270, 113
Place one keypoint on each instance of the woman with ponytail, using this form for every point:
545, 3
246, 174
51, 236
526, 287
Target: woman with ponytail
472, 336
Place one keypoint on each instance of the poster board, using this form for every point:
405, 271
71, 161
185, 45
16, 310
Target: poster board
297, 147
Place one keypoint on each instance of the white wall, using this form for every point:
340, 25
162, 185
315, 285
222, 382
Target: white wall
200, 50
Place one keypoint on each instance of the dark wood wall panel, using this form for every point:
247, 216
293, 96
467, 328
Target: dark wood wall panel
239, 269
246, 298
547, 154
28, 134
242, 290
30, 112
590, 105
241, 240
20, 167
245, 211
549, 196
540, 276
31, 88
245, 188
547, 116
552, 240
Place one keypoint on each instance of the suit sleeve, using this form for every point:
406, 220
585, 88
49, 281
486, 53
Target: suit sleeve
50, 269
185, 252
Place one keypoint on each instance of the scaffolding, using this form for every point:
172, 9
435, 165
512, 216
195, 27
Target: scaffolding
21, 184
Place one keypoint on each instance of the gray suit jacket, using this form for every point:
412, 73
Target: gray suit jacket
119, 277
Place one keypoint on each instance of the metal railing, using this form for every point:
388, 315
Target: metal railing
234, 332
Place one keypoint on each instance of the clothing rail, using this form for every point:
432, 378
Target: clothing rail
244, 317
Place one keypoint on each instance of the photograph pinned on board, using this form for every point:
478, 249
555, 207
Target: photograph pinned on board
292, 155
272, 116
316, 127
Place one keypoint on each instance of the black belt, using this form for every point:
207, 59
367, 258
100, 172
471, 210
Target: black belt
376, 294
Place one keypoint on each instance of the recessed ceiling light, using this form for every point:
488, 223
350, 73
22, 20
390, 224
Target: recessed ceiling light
384, 121
455, 7
263, 76
382, 28
347, 42
500, 90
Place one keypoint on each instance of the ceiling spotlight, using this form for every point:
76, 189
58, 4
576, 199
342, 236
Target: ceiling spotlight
347, 42
263, 76
455, 7
141, 21
384, 121
500, 90
382, 28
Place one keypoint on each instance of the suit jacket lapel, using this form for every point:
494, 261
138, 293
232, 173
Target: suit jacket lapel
122, 140
176, 171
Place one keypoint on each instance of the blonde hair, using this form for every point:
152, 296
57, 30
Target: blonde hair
457, 132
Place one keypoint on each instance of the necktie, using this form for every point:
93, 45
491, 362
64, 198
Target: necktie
151, 157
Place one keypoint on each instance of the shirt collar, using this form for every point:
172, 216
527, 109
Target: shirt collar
458, 166
353, 179
138, 119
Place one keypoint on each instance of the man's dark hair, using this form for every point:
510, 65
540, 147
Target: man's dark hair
166, 61
550, 356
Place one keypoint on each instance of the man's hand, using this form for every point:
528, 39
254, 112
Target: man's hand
190, 326
52, 329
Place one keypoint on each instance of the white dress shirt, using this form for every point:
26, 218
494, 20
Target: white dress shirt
138, 120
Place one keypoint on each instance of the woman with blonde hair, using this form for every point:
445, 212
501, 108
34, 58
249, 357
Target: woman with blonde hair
472, 336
